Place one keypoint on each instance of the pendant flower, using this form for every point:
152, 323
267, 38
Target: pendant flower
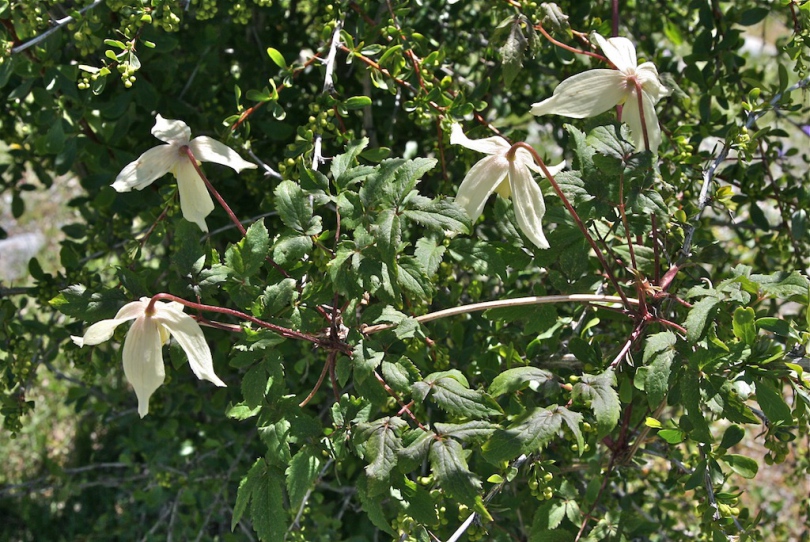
143, 346
595, 91
507, 175
195, 201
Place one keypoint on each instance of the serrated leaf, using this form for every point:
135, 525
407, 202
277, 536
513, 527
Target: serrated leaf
262, 487
301, 474
659, 351
468, 431
526, 435
291, 249
388, 233
573, 420
366, 357
519, 378
441, 215
342, 162
456, 398
451, 471
412, 278
604, 400
254, 385
247, 256
373, 507
78, 302
295, 209
381, 445
412, 455
512, 52
699, 317
429, 254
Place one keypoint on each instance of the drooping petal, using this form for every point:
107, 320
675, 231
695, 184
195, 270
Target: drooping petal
206, 149
102, 331
488, 145
187, 332
631, 116
151, 165
537, 169
647, 75
620, 51
528, 203
195, 201
143, 360
480, 182
171, 131
584, 95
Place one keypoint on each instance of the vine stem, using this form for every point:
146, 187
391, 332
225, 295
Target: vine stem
568, 47
283, 331
574, 215
57, 26
501, 303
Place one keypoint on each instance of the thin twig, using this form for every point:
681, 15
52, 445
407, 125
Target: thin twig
58, 25
501, 303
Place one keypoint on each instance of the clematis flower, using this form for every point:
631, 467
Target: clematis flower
507, 175
595, 91
143, 346
195, 201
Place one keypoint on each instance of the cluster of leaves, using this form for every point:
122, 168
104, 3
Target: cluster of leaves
559, 421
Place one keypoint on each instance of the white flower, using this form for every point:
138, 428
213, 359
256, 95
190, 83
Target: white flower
498, 173
595, 91
143, 346
195, 201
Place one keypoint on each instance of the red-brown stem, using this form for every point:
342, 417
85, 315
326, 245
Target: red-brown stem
615, 18
574, 215
641, 115
225, 205
668, 323
629, 343
395, 395
153, 226
568, 47
325, 369
656, 256
625, 224
283, 331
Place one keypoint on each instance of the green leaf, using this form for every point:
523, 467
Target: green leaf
276, 57
412, 278
733, 435
468, 431
290, 249
248, 255
381, 443
388, 233
440, 215
672, 436
78, 302
744, 466
516, 379
278, 296
429, 254
690, 391
342, 162
598, 389
254, 385
456, 397
699, 317
295, 209
526, 435
372, 506
263, 488
301, 474
659, 351
188, 256
357, 102
366, 357
512, 52
772, 404
450, 468
744, 326
752, 16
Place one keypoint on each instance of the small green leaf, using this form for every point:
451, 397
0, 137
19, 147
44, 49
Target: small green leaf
295, 209
699, 317
526, 435
381, 445
357, 102
301, 474
659, 352
743, 325
773, 404
516, 379
672, 436
603, 398
455, 397
450, 468
742, 465
733, 435
276, 57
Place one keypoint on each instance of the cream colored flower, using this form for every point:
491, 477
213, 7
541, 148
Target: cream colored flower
143, 346
507, 176
195, 201
595, 91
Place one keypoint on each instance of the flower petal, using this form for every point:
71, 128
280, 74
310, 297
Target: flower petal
620, 51
171, 131
528, 203
143, 360
631, 116
187, 332
537, 169
480, 182
206, 149
584, 95
102, 331
151, 165
489, 145
195, 201
650, 83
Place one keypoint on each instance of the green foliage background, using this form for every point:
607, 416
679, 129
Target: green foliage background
529, 416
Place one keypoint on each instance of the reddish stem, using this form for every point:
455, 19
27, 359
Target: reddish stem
640, 97
568, 47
